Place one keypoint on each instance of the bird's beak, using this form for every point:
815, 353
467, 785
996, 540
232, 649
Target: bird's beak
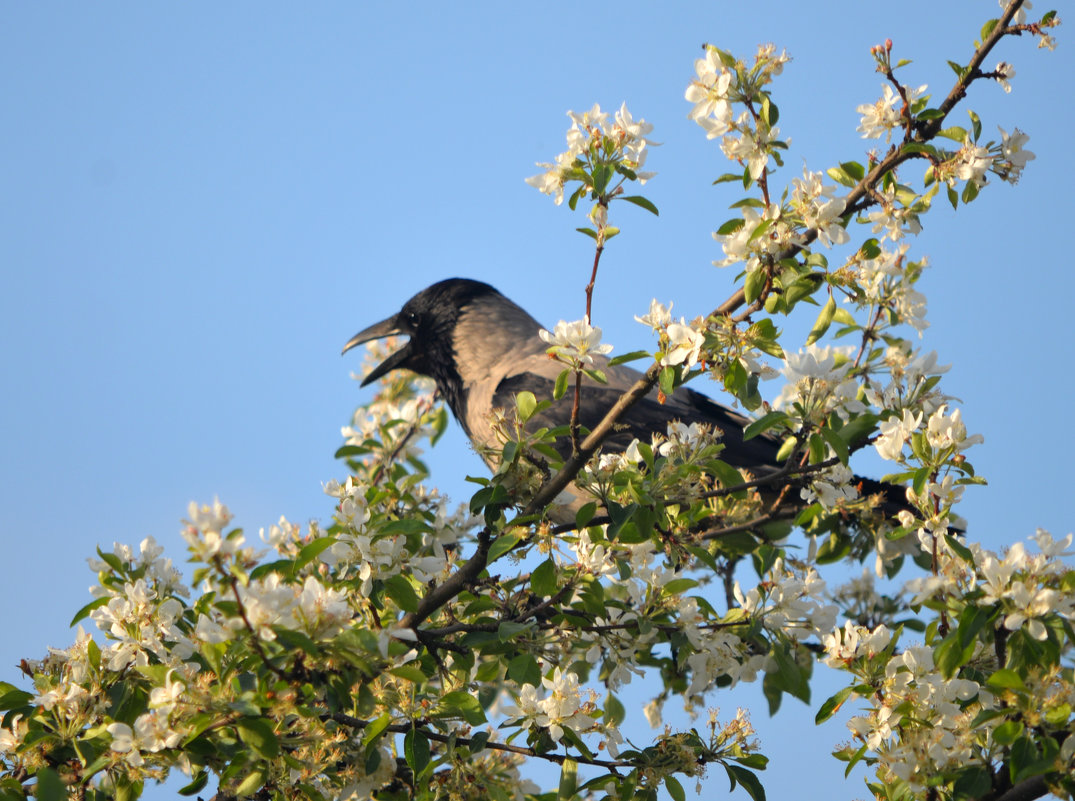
385, 328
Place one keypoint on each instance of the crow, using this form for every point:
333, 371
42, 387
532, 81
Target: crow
482, 349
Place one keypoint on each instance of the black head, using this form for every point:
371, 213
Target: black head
429, 319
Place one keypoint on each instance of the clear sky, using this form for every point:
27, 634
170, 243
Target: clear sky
202, 202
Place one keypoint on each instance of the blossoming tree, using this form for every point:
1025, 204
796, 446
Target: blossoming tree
409, 650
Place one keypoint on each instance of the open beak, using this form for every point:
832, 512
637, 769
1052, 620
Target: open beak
385, 328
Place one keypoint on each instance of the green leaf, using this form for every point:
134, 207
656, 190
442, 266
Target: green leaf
585, 514
508, 630
350, 450
676, 586
596, 375
463, 703
85, 611
11, 697
374, 729
402, 593
590, 232
526, 403
836, 442
748, 780
1026, 760
760, 229
642, 202
416, 751
786, 449
953, 197
411, 673
748, 202
478, 741
668, 380
543, 580
524, 669
312, 550
855, 759
834, 549
731, 226
973, 782
1059, 715
674, 788
502, 545
569, 774
763, 424
842, 176
824, 320
111, 560
615, 713
561, 384
259, 735
854, 169
919, 147
602, 174
573, 201
801, 288
961, 550
1007, 732
628, 357
200, 779
49, 786
251, 784
955, 133
1006, 679
829, 708
949, 656
754, 284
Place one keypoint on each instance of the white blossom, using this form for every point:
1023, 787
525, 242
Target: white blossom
1014, 154
947, 431
684, 345
658, 317
884, 116
894, 432
971, 162
575, 343
1005, 72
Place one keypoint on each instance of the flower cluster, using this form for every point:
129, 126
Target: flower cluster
889, 113
562, 707
937, 709
593, 143
818, 384
721, 82
819, 210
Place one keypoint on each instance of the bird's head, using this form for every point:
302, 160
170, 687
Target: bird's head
429, 319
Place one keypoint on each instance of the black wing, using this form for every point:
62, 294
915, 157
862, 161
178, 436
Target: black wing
643, 419
648, 416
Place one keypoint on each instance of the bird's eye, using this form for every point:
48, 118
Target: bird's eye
412, 319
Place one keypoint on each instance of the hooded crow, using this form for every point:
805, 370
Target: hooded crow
482, 349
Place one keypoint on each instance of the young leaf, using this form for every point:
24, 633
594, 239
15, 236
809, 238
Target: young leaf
543, 579
416, 751
561, 384
526, 403
824, 320
641, 202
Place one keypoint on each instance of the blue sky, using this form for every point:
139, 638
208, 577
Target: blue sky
202, 203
